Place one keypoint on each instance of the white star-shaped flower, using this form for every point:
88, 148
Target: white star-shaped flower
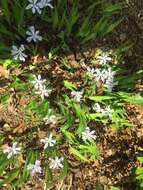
104, 58
100, 74
38, 82
52, 119
110, 84
48, 141
88, 134
35, 168
33, 35
11, 151
46, 3
91, 71
108, 111
35, 5
98, 108
77, 95
43, 92
56, 163
109, 73
18, 54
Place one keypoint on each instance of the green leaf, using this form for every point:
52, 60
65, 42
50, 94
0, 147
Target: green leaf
3, 164
136, 99
69, 136
78, 154
5, 9
10, 176
112, 26
101, 98
69, 85
139, 170
48, 175
140, 159
64, 170
114, 188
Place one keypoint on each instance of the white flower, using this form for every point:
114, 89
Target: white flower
104, 58
46, 3
38, 82
35, 5
48, 141
77, 95
88, 135
33, 35
100, 74
56, 163
110, 84
50, 119
10, 151
90, 71
17, 53
108, 111
35, 168
98, 108
109, 73
43, 92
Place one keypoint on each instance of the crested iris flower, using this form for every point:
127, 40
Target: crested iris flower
88, 134
46, 3
104, 58
43, 92
50, 119
18, 54
35, 168
35, 5
77, 95
56, 163
48, 141
106, 111
38, 82
10, 151
33, 35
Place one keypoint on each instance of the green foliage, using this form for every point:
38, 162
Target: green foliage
139, 174
114, 188
66, 21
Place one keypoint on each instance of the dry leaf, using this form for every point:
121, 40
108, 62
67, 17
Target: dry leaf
4, 73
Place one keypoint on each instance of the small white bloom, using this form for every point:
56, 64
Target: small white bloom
35, 168
109, 73
43, 92
56, 163
98, 108
33, 35
108, 111
90, 71
100, 74
17, 53
10, 151
77, 95
110, 84
35, 5
88, 134
48, 141
52, 119
46, 3
38, 82
104, 58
